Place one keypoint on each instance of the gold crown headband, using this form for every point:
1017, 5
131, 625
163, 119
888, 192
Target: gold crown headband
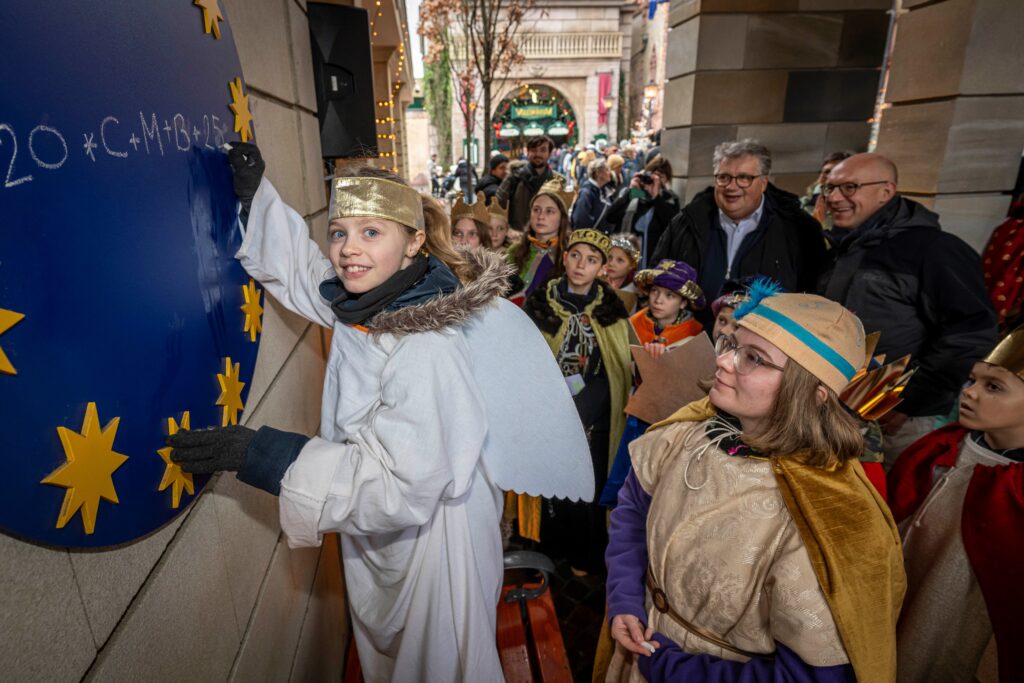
1009, 353
594, 238
553, 188
477, 210
378, 198
495, 208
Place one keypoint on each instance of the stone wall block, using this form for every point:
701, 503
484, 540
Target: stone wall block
681, 50
749, 5
280, 148
983, 149
721, 41
313, 163
863, 39
262, 42
703, 140
840, 5
682, 10
675, 146
302, 57
697, 184
847, 136
927, 60
678, 102
281, 331
325, 632
792, 40
914, 137
182, 625
46, 632
796, 148
109, 579
247, 520
797, 183
268, 650
739, 97
995, 60
972, 217
293, 401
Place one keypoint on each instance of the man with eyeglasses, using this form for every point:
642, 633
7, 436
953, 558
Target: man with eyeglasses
744, 226
922, 288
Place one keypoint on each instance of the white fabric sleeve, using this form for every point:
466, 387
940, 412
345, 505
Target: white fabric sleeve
421, 444
278, 252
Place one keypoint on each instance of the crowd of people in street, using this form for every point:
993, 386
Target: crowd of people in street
766, 530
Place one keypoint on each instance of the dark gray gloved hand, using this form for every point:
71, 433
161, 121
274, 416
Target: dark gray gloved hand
211, 450
247, 167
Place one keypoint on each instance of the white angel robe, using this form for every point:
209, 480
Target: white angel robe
421, 429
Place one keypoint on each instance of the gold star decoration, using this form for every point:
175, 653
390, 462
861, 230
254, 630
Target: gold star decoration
230, 393
252, 309
174, 477
211, 16
240, 107
88, 473
8, 319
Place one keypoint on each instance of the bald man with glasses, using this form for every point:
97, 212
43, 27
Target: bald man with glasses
922, 288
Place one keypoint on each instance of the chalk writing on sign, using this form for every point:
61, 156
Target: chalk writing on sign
48, 147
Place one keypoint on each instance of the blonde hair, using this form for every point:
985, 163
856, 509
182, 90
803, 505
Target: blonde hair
799, 421
438, 228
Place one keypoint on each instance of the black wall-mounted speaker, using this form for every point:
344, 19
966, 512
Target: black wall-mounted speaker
343, 75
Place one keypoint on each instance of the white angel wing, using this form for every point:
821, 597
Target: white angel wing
535, 442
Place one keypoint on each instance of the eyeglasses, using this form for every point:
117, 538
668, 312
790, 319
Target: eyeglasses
744, 359
848, 189
743, 180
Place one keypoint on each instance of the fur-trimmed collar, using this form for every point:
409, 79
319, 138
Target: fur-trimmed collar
489, 279
607, 311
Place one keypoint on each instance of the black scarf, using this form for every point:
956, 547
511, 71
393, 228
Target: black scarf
355, 309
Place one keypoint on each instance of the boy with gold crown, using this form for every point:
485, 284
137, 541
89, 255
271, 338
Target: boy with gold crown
415, 444
958, 494
587, 328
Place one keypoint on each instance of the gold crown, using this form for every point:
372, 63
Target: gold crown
1009, 353
594, 238
477, 210
496, 209
377, 197
553, 188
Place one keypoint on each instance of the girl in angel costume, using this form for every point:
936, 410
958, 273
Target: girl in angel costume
416, 445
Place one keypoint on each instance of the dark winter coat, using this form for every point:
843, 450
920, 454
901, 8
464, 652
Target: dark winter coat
666, 207
488, 185
591, 204
518, 189
787, 245
923, 290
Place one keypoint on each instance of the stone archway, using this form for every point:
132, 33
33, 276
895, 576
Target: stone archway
534, 108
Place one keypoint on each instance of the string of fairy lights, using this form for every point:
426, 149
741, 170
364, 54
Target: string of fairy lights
386, 108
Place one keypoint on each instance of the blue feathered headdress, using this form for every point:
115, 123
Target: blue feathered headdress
760, 289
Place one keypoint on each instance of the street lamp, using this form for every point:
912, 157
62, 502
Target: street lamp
609, 102
650, 95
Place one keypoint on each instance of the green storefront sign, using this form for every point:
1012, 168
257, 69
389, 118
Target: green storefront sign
534, 111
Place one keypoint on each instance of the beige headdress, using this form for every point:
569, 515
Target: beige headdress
378, 198
1009, 353
477, 210
495, 208
553, 188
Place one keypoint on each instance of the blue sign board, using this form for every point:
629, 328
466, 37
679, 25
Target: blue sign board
123, 314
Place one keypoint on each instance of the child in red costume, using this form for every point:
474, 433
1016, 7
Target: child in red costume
666, 320
958, 495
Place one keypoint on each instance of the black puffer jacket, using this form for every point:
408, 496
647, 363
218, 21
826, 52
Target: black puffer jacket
488, 185
787, 245
923, 290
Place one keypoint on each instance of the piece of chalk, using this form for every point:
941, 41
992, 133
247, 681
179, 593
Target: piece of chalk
226, 147
647, 646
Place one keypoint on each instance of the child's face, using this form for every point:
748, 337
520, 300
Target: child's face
367, 251
465, 233
499, 230
665, 304
545, 217
992, 399
582, 264
723, 322
619, 264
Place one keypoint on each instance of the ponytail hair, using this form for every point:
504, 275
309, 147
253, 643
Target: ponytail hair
437, 228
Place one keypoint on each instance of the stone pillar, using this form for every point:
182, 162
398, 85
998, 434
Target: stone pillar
955, 120
801, 77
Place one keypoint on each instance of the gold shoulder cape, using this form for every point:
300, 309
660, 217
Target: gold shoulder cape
854, 547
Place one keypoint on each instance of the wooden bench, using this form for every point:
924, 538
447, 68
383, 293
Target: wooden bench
529, 639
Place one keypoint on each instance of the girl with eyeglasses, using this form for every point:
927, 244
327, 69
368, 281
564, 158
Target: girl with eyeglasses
748, 543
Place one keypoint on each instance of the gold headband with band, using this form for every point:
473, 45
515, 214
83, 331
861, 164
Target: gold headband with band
594, 238
378, 198
1009, 353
